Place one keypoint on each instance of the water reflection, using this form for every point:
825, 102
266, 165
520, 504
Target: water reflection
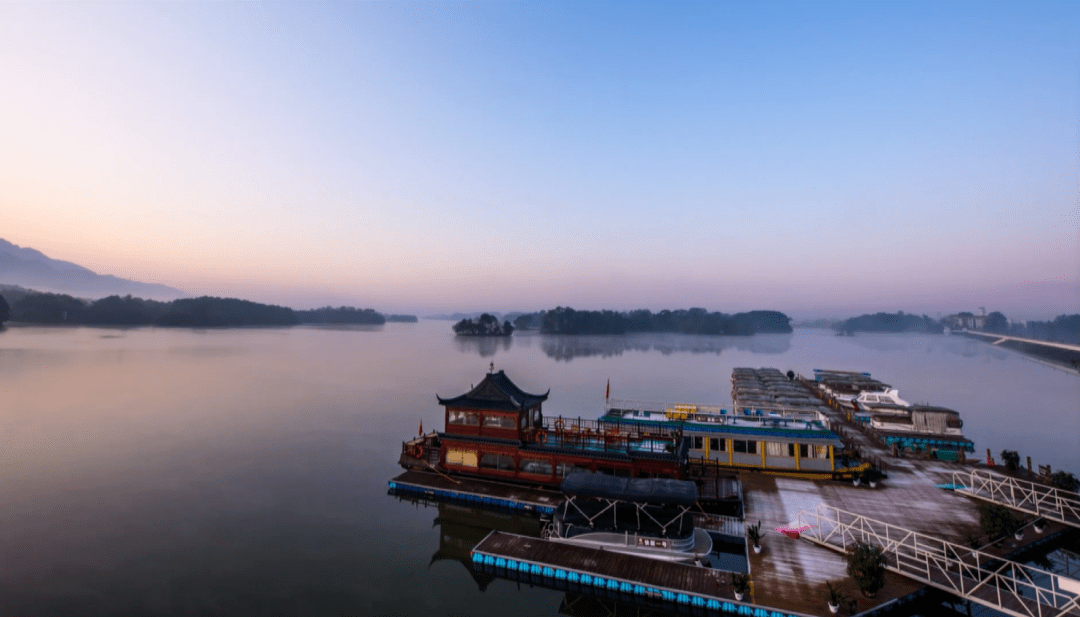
566, 348
462, 527
484, 346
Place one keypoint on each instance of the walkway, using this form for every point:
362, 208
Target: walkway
1013, 588
1038, 499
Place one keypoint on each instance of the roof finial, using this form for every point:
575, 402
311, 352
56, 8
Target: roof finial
491, 368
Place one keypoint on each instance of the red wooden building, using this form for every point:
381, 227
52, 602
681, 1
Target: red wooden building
497, 430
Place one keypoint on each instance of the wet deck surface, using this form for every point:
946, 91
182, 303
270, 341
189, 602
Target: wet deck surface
791, 574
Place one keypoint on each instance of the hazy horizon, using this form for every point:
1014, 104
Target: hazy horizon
820, 159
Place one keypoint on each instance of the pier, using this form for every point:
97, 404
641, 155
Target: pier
924, 516
1061, 355
1013, 588
1030, 497
477, 492
687, 585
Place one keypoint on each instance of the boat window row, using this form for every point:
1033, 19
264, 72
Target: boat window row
715, 443
505, 462
772, 448
470, 418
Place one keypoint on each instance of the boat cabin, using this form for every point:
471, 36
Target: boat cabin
497, 430
495, 408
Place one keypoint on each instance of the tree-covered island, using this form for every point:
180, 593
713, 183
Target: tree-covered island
485, 325
565, 320
889, 322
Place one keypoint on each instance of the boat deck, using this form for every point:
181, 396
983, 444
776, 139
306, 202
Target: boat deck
517, 556
482, 492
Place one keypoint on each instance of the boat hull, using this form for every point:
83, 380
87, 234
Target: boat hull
697, 548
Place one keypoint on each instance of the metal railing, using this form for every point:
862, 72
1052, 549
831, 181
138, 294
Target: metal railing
1013, 588
727, 525
1038, 499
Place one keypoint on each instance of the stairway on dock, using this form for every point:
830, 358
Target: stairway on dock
1030, 497
1010, 587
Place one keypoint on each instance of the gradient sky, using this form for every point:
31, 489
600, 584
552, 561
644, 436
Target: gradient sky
816, 158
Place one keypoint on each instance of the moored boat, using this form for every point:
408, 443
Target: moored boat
638, 516
497, 431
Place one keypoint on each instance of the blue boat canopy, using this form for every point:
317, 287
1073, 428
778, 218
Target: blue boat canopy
640, 490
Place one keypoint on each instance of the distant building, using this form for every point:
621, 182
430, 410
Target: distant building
965, 320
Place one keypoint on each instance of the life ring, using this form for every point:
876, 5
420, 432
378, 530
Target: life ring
418, 451
542, 437
559, 425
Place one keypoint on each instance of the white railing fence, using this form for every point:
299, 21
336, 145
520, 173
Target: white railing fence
1013, 588
1038, 499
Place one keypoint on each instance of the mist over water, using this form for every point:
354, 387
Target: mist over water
230, 472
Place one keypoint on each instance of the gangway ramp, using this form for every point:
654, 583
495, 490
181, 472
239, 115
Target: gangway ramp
1010, 587
1038, 499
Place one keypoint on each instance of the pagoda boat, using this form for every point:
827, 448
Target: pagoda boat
497, 431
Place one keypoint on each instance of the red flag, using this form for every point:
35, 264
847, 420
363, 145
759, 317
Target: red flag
421, 427
607, 393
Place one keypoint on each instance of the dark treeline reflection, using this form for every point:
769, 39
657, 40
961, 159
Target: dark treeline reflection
566, 348
484, 346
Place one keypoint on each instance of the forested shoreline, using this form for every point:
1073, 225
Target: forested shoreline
202, 312
1061, 329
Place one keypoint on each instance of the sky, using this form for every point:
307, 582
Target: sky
819, 158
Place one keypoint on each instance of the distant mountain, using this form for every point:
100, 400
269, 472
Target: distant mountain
27, 267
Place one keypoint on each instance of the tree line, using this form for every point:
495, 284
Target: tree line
1061, 329
203, 312
565, 320
889, 322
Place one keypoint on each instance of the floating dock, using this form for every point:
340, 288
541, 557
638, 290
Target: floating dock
477, 492
694, 586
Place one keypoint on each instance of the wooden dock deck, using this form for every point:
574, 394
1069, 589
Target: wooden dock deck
628, 574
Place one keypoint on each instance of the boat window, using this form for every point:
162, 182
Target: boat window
564, 469
501, 462
804, 451
717, 445
466, 458
773, 448
499, 421
524, 421
821, 452
456, 417
699, 442
536, 467
472, 419
744, 447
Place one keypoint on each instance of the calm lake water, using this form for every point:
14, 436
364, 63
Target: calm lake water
243, 472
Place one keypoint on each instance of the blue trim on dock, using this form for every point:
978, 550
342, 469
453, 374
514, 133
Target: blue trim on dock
470, 498
518, 568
